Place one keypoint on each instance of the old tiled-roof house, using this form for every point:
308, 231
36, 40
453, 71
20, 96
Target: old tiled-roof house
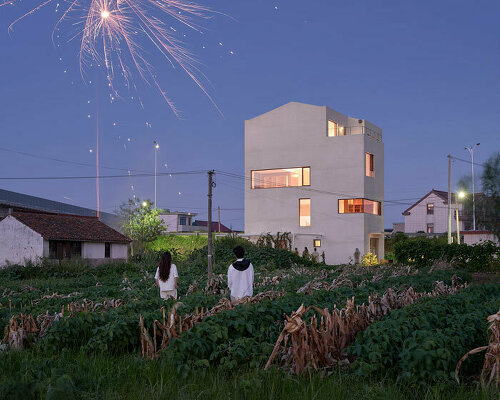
30, 236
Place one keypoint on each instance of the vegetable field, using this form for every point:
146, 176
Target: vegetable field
72, 331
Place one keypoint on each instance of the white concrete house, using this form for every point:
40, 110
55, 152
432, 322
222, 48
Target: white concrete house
430, 214
318, 174
28, 236
179, 222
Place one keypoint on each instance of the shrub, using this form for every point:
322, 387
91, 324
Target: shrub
369, 260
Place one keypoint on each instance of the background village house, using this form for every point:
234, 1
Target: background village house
29, 236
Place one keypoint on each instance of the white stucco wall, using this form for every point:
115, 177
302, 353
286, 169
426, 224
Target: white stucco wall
295, 135
119, 251
18, 243
476, 237
170, 221
418, 218
92, 251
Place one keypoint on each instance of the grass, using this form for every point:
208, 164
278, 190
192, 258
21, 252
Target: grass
182, 245
30, 375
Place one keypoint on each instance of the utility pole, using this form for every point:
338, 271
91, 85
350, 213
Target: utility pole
209, 223
450, 240
157, 146
218, 210
471, 152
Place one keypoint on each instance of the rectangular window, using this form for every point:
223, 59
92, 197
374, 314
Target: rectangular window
107, 250
333, 129
277, 178
430, 209
355, 206
182, 220
430, 228
370, 170
76, 249
305, 212
317, 243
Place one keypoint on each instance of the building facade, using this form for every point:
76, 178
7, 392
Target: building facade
430, 214
319, 175
179, 222
28, 236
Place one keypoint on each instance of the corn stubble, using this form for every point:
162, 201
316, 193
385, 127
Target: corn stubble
323, 343
490, 372
175, 324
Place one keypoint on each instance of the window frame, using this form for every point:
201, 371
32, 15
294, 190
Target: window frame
107, 250
369, 165
431, 226
315, 241
431, 208
280, 187
362, 206
300, 225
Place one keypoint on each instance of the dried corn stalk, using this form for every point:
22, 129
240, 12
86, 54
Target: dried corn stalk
18, 330
323, 343
491, 366
216, 285
176, 324
193, 288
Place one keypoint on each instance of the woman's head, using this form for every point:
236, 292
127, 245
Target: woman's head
164, 266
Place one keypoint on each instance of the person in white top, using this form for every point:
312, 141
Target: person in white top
166, 277
240, 276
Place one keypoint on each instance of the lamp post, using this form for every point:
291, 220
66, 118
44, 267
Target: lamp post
157, 146
460, 195
471, 152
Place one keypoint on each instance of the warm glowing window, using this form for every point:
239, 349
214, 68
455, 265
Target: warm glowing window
276, 178
430, 209
354, 206
333, 129
370, 170
430, 228
317, 243
305, 212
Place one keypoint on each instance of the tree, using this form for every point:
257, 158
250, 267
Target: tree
490, 202
141, 221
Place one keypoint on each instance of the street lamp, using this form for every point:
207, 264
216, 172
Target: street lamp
460, 196
144, 204
157, 146
471, 152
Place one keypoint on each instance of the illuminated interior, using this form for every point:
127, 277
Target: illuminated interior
354, 206
305, 212
370, 170
335, 130
277, 178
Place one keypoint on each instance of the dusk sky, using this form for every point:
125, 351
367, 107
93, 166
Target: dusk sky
426, 72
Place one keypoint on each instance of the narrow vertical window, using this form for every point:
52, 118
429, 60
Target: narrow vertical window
304, 212
430, 208
430, 228
370, 170
107, 250
333, 129
306, 176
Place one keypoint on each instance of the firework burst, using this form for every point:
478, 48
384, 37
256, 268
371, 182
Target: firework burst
111, 32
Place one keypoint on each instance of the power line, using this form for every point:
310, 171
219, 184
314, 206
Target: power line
467, 161
141, 175
66, 161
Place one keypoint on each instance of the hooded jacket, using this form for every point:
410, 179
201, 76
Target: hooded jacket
240, 276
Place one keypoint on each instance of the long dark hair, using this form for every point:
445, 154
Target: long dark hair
164, 266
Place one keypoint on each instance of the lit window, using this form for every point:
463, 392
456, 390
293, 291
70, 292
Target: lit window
333, 129
277, 178
355, 206
305, 212
317, 243
430, 228
370, 170
430, 209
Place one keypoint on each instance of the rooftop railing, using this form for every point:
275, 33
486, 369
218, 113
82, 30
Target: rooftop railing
363, 130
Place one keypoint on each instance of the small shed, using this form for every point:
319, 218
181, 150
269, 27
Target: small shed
28, 236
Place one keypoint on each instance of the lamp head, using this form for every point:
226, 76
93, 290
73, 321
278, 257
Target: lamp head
461, 194
144, 203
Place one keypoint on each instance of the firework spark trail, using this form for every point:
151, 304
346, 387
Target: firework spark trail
110, 30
